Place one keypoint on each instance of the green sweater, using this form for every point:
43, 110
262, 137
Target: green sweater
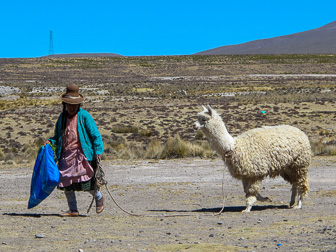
89, 136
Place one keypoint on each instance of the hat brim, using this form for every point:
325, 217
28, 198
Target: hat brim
72, 100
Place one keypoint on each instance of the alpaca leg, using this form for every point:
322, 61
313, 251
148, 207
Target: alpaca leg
299, 203
251, 189
294, 193
300, 188
303, 189
249, 202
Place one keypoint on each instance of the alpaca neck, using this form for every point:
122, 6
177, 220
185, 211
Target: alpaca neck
219, 137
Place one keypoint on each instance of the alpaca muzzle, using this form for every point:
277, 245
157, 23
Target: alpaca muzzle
197, 126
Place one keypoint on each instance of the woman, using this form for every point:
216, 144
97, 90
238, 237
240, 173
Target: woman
79, 147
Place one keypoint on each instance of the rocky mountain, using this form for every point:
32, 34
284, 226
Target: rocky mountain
317, 41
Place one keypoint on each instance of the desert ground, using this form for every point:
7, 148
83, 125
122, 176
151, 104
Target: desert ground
145, 107
180, 199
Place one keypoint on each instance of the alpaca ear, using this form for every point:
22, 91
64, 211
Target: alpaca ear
204, 108
210, 110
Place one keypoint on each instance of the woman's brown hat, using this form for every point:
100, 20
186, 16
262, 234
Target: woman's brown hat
72, 95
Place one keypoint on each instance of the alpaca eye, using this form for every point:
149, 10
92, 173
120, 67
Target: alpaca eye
203, 119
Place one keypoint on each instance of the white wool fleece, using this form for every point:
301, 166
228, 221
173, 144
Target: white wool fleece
267, 151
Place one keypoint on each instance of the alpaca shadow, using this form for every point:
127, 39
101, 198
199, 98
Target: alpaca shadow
32, 215
229, 209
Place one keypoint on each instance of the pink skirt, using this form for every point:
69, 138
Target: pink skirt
74, 168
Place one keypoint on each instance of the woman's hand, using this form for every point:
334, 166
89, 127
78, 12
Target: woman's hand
46, 142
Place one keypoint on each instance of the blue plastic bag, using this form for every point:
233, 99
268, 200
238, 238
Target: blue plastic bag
45, 176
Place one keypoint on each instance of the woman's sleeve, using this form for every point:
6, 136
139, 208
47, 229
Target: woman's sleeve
95, 136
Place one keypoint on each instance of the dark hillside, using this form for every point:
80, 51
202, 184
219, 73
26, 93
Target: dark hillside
317, 41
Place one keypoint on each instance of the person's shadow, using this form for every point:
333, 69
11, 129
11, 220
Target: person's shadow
36, 215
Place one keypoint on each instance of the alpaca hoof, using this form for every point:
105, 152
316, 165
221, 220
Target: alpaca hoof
246, 210
294, 207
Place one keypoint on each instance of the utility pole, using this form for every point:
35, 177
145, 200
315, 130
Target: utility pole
51, 46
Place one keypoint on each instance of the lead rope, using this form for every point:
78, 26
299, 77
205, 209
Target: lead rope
101, 181
223, 195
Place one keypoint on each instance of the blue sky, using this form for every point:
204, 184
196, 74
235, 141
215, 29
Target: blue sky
135, 28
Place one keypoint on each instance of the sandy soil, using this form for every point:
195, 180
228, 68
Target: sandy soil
190, 188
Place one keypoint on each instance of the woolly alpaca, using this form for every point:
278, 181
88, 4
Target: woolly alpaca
252, 156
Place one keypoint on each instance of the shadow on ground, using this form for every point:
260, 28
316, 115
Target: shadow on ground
231, 209
37, 215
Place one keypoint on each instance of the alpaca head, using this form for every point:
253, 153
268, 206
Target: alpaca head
204, 117
212, 125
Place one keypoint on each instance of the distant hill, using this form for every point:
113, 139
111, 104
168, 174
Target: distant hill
317, 41
83, 55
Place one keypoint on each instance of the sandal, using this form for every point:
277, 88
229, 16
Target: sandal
100, 205
70, 213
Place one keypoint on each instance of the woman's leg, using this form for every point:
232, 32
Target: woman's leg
100, 201
72, 202
98, 195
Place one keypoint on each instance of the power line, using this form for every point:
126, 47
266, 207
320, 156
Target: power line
51, 46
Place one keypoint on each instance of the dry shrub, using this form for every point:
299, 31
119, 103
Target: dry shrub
199, 134
174, 148
26, 102
153, 150
326, 132
323, 148
124, 129
29, 152
22, 153
2, 155
146, 132
131, 152
202, 150
9, 157
178, 148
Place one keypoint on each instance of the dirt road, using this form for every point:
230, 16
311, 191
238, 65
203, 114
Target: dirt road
191, 187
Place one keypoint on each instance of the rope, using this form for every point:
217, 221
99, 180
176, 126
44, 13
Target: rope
141, 215
100, 181
122, 209
223, 195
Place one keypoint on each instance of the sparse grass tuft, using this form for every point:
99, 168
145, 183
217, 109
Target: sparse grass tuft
153, 149
199, 134
2, 155
124, 129
26, 102
175, 148
322, 148
146, 132
178, 148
